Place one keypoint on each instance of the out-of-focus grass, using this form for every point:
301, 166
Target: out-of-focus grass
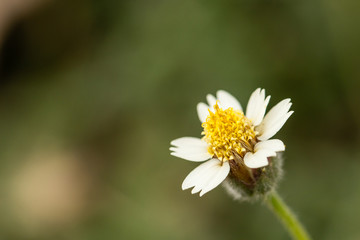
112, 84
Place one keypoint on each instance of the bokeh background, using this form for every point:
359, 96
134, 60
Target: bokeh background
92, 92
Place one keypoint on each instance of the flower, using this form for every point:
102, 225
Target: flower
233, 143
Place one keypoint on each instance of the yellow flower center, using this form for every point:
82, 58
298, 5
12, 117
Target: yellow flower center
228, 132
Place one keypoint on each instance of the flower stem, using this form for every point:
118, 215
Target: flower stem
287, 217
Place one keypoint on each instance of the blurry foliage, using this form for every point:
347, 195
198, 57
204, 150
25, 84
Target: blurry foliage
114, 82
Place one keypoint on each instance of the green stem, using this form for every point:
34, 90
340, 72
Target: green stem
287, 217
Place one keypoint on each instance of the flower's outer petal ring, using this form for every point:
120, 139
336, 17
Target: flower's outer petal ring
255, 160
263, 150
190, 148
256, 107
274, 145
271, 130
194, 157
196, 175
221, 173
227, 100
274, 120
207, 176
203, 111
188, 142
211, 100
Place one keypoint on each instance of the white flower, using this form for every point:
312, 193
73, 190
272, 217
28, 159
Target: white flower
231, 136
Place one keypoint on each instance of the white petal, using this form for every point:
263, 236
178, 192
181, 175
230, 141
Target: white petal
278, 111
227, 100
205, 179
207, 176
263, 150
274, 145
255, 160
190, 148
220, 176
274, 120
271, 130
198, 173
256, 107
203, 111
188, 142
265, 153
211, 100
212, 177
200, 157
252, 102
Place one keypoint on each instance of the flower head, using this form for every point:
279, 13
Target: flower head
234, 144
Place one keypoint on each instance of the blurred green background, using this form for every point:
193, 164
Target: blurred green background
92, 92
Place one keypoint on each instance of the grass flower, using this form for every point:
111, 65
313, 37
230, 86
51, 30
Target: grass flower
234, 144
237, 149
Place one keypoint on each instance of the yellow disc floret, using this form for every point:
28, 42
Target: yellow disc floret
228, 132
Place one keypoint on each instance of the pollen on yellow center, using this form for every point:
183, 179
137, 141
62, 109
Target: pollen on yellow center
228, 132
